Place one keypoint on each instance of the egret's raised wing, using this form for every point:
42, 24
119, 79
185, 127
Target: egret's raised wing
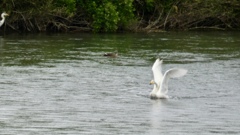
171, 73
157, 71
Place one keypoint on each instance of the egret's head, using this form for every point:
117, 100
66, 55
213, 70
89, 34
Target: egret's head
4, 14
152, 82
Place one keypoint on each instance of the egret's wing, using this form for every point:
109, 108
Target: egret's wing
171, 73
157, 71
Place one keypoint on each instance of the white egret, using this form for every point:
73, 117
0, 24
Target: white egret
160, 82
3, 18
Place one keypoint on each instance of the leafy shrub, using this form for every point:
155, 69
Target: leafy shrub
105, 18
108, 15
68, 5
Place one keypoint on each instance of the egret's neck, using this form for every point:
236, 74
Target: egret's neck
3, 17
156, 85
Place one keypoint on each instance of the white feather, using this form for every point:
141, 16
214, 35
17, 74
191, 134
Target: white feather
157, 71
162, 80
3, 18
171, 73
157, 75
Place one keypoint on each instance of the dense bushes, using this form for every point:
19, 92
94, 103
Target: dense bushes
108, 15
116, 15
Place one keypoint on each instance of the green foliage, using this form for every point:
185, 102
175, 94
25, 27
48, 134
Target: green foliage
126, 12
25, 5
105, 17
150, 5
69, 5
114, 15
108, 15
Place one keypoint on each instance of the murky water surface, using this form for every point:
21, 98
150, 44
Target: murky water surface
61, 84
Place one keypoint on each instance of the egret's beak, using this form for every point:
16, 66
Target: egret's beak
151, 82
6, 14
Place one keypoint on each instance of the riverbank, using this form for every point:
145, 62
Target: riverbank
115, 16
